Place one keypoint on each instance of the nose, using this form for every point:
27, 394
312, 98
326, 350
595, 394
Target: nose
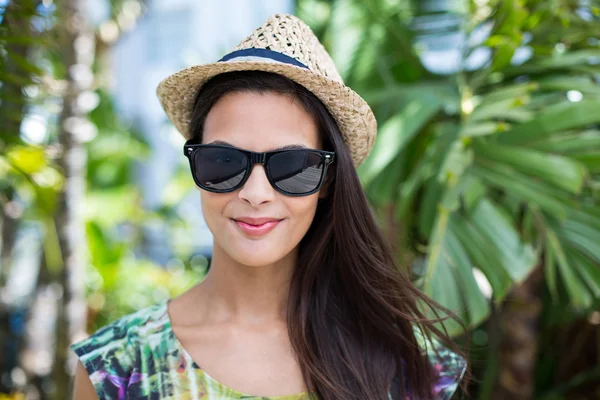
257, 189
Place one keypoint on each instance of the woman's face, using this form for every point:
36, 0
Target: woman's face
258, 122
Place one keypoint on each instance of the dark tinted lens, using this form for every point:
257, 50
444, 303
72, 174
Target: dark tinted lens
296, 172
219, 168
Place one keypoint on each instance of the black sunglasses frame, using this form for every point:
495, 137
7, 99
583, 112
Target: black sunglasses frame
190, 148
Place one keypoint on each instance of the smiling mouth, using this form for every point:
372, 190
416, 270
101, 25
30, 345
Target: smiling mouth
257, 229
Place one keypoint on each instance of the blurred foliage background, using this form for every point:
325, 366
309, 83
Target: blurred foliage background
485, 177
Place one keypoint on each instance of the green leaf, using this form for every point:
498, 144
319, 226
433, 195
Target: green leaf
456, 162
570, 144
14, 79
395, 134
474, 301
483, 128
490, 240
557, 170
25, 40
588, 270
523, 188
383, 187
123, 202
428, 166
558, 61
436, 245
52, 251
583, 84
443, 289
25, 64
442, 194
105, 254
590, 159
587, 215
507, 92
396, 91
474, 192
569, 116
511, 108
578, 293
582, 236
483, 255
428, 207
28, 159
347, 22
550, 273
571, 58
517, 258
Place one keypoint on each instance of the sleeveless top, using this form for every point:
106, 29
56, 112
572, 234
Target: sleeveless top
139, 357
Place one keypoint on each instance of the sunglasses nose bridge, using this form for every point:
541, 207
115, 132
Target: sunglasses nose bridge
258, 158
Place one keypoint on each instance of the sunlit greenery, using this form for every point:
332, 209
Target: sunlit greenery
486, 166
485, 174
119, 278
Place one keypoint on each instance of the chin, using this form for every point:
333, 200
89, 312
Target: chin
255, 253
255, 257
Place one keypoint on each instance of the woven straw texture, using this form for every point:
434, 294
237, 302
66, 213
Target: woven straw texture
288, 35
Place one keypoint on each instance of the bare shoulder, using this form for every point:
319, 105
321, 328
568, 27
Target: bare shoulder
83, 389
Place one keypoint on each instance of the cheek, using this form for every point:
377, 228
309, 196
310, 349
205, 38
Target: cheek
302, 212
212, 205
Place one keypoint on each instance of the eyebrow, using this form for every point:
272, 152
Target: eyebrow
286, 147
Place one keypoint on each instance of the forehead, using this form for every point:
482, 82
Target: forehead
260, 122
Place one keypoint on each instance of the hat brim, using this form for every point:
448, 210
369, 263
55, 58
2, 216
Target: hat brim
354, 117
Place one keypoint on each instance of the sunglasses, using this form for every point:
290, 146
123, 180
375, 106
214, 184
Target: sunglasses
292, 172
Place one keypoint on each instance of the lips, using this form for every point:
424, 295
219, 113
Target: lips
256, 226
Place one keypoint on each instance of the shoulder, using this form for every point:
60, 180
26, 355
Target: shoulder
450, 366
117, 338
111, 354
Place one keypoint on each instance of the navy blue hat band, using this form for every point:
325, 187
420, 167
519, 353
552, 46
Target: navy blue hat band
263, 55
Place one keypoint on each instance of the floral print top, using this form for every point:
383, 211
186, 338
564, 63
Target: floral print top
139, 357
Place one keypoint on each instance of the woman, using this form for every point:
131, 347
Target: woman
303, 299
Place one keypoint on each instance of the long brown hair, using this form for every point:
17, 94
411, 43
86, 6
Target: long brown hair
351, 310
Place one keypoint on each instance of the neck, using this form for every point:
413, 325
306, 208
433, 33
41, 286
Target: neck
246, 294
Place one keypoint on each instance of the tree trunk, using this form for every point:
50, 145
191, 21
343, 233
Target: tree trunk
40, 335
78, 42
519, 325
8, 229
16, 22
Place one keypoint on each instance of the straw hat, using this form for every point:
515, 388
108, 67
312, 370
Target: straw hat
287, 46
